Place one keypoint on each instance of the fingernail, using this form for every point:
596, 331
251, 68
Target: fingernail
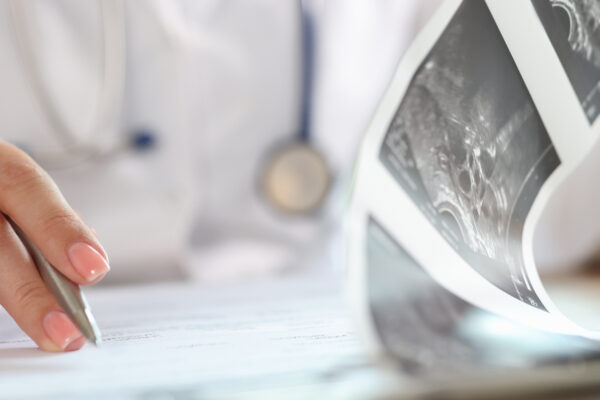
87, 261
61, 330
75, 344
104, 253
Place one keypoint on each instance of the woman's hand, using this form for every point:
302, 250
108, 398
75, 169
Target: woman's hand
32, 200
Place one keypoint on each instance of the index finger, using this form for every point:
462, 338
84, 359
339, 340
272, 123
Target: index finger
32, 199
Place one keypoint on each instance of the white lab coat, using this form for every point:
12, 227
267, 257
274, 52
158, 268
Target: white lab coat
219, 82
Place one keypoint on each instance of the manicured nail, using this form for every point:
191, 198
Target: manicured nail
87, 261
104, 253
61, 330
76, 344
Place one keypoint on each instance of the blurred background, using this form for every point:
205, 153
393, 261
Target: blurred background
210, 139
214, 140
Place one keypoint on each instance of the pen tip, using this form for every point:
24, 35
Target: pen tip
93, 336
90, 330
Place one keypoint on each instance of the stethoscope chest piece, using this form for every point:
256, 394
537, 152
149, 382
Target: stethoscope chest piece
296, 178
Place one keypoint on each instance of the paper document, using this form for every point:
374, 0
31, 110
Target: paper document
488, 131
191, 341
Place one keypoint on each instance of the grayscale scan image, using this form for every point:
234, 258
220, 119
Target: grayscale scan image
429, 331
468, 146
573, 27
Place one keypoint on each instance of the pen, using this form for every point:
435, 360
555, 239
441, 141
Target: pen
66, 293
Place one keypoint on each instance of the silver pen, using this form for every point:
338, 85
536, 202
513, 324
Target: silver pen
67, 294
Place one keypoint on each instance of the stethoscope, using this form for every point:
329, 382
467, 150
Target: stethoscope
74, 150
296, 176
295, 179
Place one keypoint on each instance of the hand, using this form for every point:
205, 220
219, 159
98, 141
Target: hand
32, 200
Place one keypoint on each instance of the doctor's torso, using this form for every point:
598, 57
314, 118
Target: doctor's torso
217, 85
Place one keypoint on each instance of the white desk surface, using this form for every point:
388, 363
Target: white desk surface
282, 338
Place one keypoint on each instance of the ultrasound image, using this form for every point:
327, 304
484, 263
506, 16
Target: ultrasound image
431, 332
573, 27
469, 147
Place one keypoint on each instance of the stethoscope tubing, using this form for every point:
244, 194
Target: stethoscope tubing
73, 148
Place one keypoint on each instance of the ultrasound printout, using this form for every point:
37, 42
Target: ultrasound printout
468, 146
573, 27
430, 331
